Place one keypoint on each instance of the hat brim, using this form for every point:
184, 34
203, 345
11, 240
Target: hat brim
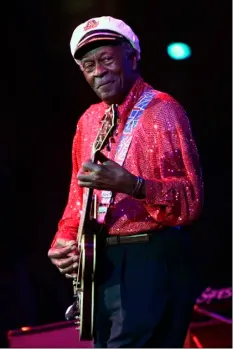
93, 39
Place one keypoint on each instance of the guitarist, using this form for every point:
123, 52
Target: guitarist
146, 279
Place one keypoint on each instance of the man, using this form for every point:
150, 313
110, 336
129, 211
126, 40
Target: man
145, 291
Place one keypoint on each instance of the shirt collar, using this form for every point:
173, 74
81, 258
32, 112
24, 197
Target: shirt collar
131, 98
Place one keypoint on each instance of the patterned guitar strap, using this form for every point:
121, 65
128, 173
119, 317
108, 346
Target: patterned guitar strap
123, 146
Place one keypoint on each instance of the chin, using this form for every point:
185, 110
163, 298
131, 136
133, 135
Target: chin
109, 97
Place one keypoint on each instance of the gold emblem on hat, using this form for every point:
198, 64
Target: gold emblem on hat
92, 23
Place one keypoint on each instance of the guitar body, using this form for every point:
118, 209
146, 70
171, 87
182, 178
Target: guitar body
87, 286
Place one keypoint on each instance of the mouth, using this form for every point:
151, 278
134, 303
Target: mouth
105, 84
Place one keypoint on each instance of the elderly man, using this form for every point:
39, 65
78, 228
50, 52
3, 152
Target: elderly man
150, 169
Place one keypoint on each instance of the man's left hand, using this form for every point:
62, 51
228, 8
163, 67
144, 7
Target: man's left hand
106, 176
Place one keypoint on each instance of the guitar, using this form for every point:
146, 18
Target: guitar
83, 309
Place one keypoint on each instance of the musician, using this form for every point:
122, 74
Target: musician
150, 167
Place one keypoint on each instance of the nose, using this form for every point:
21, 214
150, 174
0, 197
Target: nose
100, 70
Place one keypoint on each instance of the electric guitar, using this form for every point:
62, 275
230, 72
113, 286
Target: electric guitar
83, 309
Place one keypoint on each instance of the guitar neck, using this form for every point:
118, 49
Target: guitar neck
86, 207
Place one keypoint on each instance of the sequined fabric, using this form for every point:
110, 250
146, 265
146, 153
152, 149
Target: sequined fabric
162, 151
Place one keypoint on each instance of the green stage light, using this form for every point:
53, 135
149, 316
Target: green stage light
179, 50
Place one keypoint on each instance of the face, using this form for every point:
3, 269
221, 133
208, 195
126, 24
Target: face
110, 72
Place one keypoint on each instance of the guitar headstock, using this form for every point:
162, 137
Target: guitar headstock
106, 130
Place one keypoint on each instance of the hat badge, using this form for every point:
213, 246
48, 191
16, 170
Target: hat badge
92, 23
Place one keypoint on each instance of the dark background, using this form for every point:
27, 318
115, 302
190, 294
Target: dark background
43, 95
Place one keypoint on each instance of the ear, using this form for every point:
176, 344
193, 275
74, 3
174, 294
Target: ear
133, 58
134, 63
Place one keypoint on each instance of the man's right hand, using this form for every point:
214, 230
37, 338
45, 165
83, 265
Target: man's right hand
64, 255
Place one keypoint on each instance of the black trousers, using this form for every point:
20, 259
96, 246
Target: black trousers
146, 293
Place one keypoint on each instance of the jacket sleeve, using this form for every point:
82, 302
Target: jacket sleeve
175, 198
68, 224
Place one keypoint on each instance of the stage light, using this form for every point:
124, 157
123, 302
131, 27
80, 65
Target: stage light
179, 50
25, 329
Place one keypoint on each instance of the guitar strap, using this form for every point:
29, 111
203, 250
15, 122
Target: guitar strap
123, 146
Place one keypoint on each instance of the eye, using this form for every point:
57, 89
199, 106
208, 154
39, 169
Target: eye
107, 60
88, 66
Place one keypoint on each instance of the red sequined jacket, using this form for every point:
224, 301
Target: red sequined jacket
162, 151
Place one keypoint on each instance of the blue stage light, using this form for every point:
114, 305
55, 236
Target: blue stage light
179, 50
